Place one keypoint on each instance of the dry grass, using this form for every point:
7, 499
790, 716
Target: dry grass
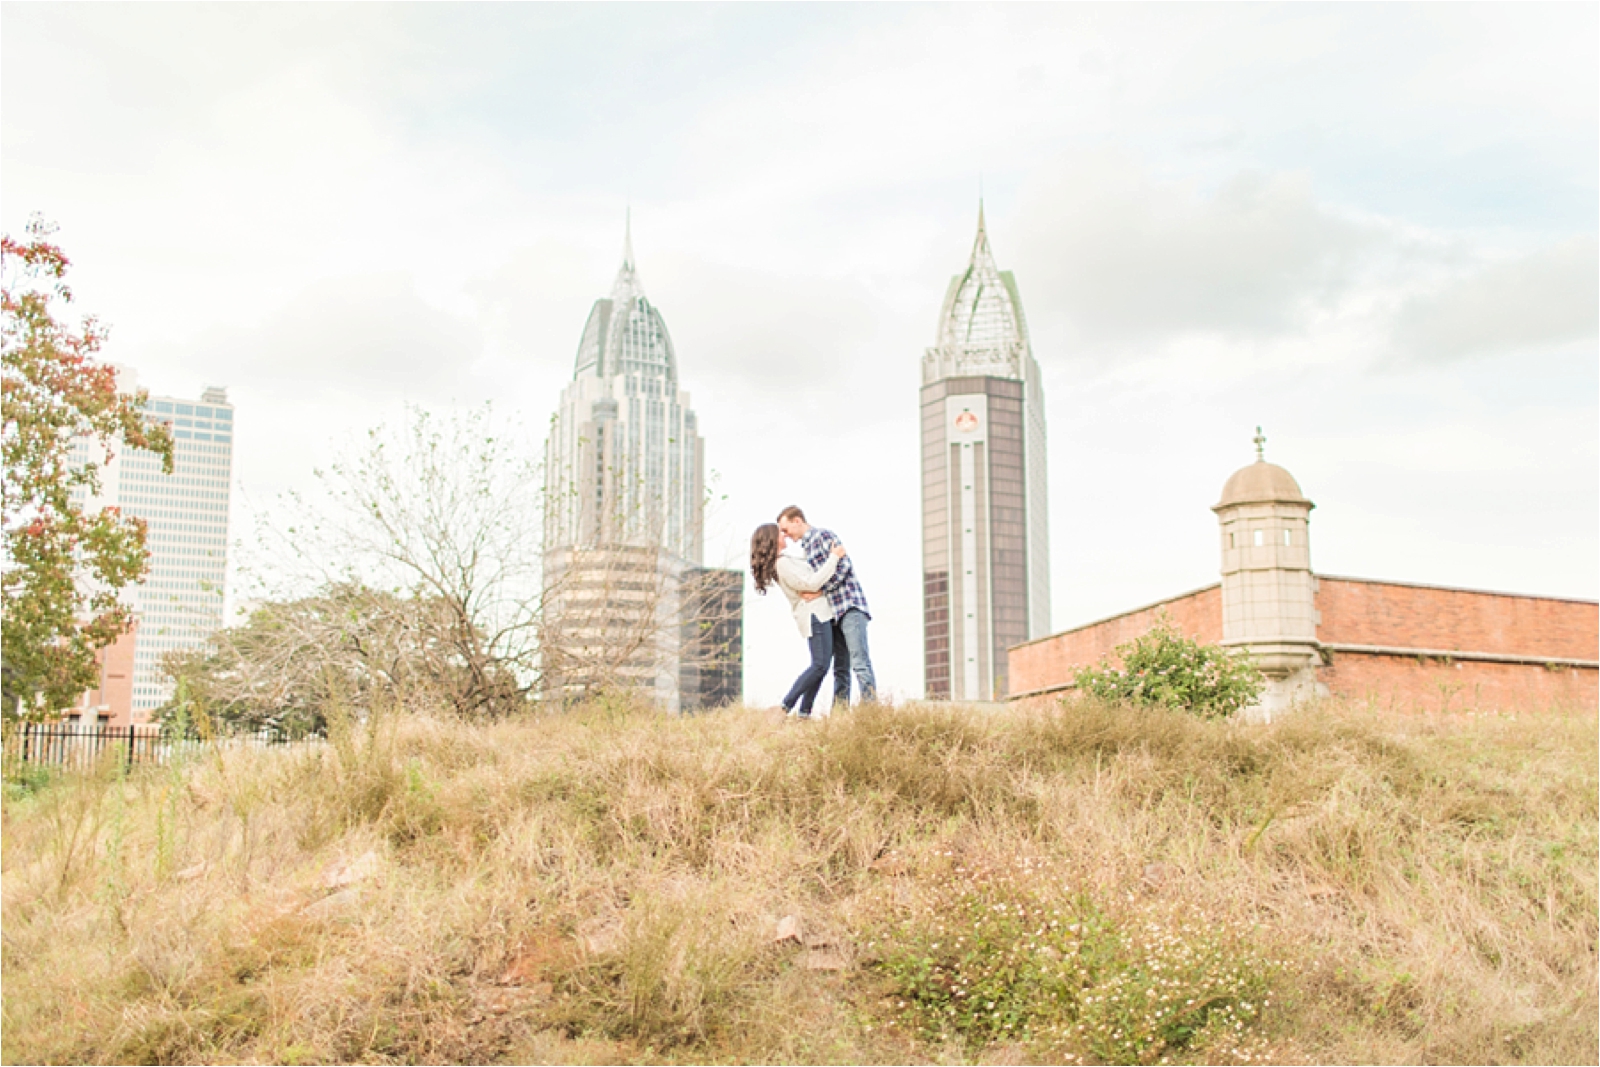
606, 887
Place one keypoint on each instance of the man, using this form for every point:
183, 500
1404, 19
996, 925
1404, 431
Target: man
850, 615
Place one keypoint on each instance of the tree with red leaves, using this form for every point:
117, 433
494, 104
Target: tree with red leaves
63, 566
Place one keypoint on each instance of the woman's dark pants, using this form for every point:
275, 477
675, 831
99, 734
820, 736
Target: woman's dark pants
804, 691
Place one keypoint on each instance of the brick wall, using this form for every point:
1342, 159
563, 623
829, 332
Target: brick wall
1406, 683
1386, 615
1049, 662
115, 694
1394, 615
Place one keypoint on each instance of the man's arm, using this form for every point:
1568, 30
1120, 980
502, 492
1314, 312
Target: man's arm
828, 540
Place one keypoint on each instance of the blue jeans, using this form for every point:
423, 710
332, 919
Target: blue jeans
804, 691
850, 654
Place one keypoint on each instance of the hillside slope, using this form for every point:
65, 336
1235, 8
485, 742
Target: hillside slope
922, 883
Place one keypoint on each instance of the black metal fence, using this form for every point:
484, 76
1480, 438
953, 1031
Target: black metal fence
77, 746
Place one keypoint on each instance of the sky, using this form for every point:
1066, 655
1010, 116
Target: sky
1369, 229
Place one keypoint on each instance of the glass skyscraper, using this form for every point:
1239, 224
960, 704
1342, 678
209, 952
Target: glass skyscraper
985, 534
624, 463
180, 602
624, 519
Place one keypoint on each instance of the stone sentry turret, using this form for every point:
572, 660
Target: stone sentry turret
1268, 590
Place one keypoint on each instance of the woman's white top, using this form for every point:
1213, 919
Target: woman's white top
795, 576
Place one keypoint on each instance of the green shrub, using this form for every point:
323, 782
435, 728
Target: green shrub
1163, 668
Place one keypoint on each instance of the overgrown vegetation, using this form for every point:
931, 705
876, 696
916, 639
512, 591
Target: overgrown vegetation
1015, 953
1085, 883
1161, 668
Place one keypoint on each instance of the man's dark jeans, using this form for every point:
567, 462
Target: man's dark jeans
850, 654
804, 691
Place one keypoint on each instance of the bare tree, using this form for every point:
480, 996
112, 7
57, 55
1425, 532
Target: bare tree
349, 645
443, 512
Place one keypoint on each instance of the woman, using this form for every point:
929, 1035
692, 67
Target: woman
768, 566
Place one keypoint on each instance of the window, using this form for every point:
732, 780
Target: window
1233, 541
1286, 537
1261, 538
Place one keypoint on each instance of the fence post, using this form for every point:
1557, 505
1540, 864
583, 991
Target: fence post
130, 745
27, 738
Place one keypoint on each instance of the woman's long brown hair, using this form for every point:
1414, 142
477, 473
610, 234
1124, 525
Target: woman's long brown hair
764, 556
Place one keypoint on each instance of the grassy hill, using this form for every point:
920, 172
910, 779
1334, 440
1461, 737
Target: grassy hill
924, 883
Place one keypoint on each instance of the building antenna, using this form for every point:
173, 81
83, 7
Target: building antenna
627, 236
1261, 445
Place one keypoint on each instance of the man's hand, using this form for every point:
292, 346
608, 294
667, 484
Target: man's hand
809, 596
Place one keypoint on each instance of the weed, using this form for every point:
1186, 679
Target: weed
1010, 953
1093, 882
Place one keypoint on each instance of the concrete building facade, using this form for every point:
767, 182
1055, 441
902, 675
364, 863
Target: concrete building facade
1402, 646
985, 524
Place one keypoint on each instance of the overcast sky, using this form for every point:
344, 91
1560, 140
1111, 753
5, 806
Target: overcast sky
1371, 229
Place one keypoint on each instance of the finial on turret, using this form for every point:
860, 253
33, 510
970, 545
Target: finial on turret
1261, 445
627, 237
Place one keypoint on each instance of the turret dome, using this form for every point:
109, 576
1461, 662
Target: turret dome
1261, 483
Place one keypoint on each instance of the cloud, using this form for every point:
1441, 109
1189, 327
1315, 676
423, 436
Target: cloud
773, 333
1121, 256
1549, 297
371, 334
533, 304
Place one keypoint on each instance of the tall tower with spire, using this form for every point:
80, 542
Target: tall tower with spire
985, 525
625, 463
624, 514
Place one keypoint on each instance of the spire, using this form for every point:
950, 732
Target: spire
980, 244
1261, 445
627, 285
627, 238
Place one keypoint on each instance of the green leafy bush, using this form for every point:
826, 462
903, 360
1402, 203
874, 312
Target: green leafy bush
1163, 668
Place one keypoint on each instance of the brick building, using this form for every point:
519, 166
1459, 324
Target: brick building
111, 704
1398, 645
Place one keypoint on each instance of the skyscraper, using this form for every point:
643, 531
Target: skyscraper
180, 602
985, 554
625, 515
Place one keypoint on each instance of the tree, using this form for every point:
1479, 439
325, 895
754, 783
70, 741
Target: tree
1163, 668
443, 513
64, 565
348, 644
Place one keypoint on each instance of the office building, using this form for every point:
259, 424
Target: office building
625, 514
986, 566
180, 602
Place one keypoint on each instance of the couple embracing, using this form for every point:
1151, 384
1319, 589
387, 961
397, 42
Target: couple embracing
814, 572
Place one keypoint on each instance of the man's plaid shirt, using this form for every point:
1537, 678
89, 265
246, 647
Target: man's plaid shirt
844, 592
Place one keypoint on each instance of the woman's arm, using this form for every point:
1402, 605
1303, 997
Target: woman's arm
798, 575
